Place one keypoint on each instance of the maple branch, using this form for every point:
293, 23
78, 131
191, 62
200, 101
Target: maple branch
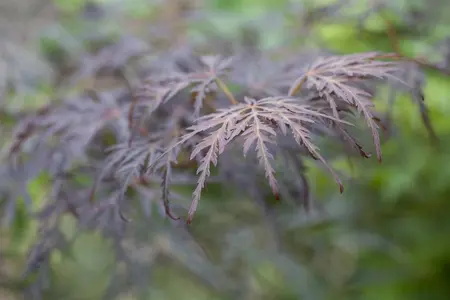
226, 90
297, 86
395, 45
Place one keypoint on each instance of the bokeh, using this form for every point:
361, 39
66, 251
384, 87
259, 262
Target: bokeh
385, 237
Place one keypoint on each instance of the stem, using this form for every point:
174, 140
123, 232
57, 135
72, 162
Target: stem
226, 90
419, 61
392, 34
395, 45
297, 87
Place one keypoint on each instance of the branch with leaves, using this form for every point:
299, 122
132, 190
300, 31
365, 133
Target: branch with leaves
164, 118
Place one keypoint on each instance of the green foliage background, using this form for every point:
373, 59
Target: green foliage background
388, 234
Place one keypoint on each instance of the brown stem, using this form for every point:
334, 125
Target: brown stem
226, 90
392, 34
395, 45
297, 87
420, 61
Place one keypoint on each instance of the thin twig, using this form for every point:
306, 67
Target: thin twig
395, 45
226, 90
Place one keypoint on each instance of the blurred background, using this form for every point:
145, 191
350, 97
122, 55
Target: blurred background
387, 237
